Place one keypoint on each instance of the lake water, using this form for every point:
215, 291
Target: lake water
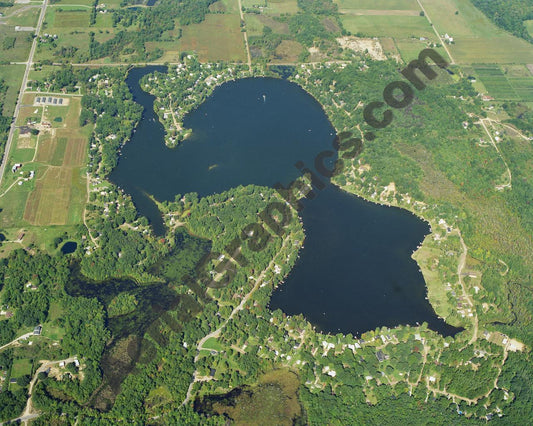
355, 272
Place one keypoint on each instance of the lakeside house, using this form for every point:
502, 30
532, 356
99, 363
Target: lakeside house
381, 356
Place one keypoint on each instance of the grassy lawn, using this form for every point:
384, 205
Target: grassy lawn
55, 312
477, 40
53, 331
436, 290
29, 114
212, 344
21, 367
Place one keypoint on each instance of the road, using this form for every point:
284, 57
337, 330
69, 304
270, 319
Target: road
460, 267
493, 143
245, 38
29, 63
238, 308
436, 32
23, 337
27, 414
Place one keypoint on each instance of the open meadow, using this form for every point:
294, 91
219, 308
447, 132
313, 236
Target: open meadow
217, 38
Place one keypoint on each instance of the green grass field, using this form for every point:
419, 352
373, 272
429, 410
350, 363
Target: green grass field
529, 26
388, 26
254, 26
496, 82
378, 4
228, 6
277, 7
53, 331
212, 344
477, 39
21, 367
217, 38
410, 48
67, 18
19, 44
22, 16
254, 3
523, 87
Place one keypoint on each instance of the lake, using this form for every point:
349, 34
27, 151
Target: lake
355, 272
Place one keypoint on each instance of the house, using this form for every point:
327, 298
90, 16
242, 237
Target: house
16, 167
212, 372
37, 330
381, 356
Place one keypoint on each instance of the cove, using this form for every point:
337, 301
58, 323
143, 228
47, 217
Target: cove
355, 272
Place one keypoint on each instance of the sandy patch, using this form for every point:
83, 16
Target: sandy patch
363, 44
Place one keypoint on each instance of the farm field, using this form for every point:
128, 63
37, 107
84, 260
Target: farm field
226, 6
388, 26
277, 7
217, 38
49, 187
513, 84
71, 26
476, 39
15, 45
388, 5
24, 16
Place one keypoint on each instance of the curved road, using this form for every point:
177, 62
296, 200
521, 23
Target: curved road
21, 92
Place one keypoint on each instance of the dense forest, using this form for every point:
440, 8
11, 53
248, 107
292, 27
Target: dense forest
509, 15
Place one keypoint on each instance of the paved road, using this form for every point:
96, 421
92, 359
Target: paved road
22, 87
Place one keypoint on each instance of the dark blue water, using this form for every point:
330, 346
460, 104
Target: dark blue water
355, 272
69, 247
